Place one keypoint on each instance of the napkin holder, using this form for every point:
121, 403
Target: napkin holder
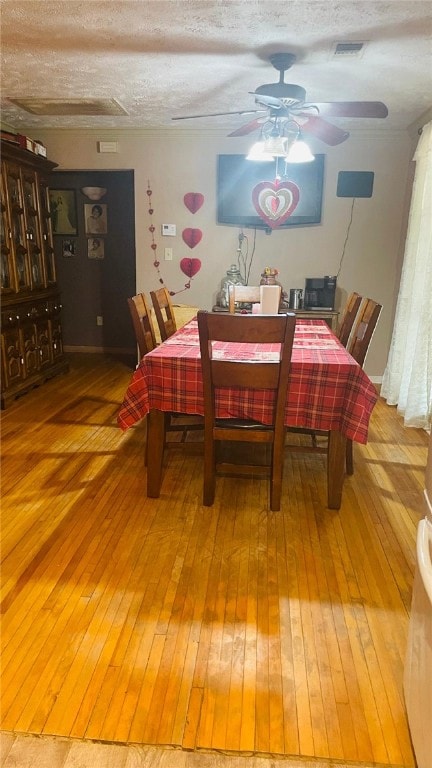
270, 299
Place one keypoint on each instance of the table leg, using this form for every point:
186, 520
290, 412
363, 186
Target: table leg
155, 451
335, 469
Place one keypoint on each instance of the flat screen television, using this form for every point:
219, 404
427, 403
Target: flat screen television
236, 178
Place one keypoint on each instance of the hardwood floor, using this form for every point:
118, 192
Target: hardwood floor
29, 751
231, 628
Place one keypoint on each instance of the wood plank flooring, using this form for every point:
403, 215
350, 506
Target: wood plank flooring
228, 629
29, 751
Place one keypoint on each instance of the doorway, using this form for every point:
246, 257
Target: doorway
95, 260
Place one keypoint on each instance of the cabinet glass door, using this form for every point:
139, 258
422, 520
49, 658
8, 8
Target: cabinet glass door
32, 231
6, 263
19, 238
47, 237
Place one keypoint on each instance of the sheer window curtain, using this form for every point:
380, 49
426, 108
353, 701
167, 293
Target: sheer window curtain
407, 380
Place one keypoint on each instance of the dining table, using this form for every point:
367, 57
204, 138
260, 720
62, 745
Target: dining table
328, 391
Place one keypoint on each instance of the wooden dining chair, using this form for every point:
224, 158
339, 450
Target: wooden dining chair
343, 334
247, 294
231, 373
164, 312
358, 347
349, 315
179, 423
142, 323
363, 330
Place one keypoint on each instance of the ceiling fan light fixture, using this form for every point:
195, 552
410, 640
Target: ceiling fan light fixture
271, 147
299, 152
276, 146
287, 108
258, 153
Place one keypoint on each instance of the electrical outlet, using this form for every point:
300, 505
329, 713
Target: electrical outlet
168, 254
99, 320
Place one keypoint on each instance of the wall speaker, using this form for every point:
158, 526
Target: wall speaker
355, 184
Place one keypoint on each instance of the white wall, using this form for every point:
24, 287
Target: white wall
177, 162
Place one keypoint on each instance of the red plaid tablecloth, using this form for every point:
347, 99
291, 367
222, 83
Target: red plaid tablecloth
327, 388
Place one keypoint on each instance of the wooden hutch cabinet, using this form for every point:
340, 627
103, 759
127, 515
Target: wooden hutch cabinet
31, 337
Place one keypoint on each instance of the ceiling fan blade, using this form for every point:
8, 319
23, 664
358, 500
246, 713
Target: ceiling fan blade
220, 114
350, 108
326, 132
247, 128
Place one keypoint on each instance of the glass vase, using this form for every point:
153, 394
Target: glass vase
232, 277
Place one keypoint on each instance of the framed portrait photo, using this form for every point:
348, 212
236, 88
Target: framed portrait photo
95, 219
95, 248
68, 248
63, 211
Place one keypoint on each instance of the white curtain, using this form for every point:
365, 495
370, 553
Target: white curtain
407, 380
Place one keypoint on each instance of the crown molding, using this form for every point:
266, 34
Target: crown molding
112, 134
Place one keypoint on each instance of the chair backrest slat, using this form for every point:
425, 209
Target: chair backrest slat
164, 312
350, 313
142, 323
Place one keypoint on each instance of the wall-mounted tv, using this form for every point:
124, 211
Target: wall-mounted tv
236, 178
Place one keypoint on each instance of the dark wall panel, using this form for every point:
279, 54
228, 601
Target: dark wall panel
98, 287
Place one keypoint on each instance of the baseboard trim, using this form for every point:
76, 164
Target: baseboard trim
100, 350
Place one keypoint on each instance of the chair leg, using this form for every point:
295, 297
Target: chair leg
275, 494
209, 472
276, 476
349, 458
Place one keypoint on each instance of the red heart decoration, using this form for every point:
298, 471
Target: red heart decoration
275, 201
191, 237
193, 201
190, 267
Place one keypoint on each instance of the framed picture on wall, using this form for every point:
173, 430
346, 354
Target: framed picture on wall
95, 219
63, 211
68, 248
95, 248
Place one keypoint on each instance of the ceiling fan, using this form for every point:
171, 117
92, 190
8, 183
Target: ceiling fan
283, 103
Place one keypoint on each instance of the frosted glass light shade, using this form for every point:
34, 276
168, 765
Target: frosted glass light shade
257, 152
299, 152
276, 146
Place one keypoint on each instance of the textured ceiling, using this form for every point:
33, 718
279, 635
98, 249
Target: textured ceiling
164, 58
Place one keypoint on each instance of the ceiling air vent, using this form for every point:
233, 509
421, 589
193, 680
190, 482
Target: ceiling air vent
70, 106
352, 49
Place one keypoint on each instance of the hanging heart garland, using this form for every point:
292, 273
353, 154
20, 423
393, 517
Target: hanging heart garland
193, 201
153, 246
275, 201
190, 267
191, 236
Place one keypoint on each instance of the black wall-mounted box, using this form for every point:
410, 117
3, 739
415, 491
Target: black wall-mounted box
355, 184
